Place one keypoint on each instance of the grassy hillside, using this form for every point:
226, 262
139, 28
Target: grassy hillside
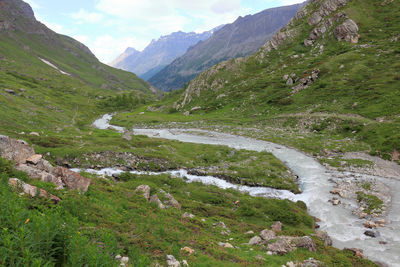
355, 97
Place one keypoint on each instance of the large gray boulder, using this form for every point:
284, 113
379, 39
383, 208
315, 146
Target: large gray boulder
267, 235
347, 31
15, 150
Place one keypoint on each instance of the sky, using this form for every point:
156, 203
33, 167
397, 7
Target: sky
108, 27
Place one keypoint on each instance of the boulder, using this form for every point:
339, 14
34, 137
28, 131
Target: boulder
289, 82
44, 176
72, 180
325, 237
249, 233
256, 240
326, 8
172, 262
171, 201
225, 245
347, 31
277, 227
156, 200
145, 189
31, 190
282, 246
356, 252
15, 150
305, 242
34, 159
370, 225
311, 263
370, 233
267, 235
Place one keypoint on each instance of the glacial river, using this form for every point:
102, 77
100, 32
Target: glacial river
345, 229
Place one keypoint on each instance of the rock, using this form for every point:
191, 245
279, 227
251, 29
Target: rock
290, 264
311, 263
188, 215
259, 257
225, 245
145, 189
256, 240
186, 113
249, 233
305, 242
335, 201
380, 222
34, 134
185, 263
282, 246
326, 8
34, 159
15, 150
347, 31
370, 233
172, 262
72, 180
267, 235
127, 136
124, 261
277, 227
11, 92
370, 225
42, 175
195, 108
356, 252
285, 77
156, 200
171, 201
188, 250
325, 237
289, 82
31, 190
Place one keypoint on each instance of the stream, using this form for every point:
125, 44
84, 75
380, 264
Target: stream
345, 229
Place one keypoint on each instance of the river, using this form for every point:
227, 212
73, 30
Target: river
345, 229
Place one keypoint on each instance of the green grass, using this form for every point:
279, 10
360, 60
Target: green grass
372, 203
111, 219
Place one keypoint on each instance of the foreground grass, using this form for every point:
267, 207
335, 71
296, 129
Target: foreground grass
111, 219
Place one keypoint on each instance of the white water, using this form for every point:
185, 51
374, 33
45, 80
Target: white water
345, 229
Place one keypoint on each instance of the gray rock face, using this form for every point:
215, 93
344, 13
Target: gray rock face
239, 39
287, 244
326, 8
267, 235
347, 31
36, 173
256, 241
157, 201
15, 150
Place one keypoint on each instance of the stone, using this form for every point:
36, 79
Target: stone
185, 263
285, 77
15, 150
305, 242
11, 92
72, 180
326, 8
256, 240
171, 201
277, 227
42, 175
325, 237
172, 262
311, 263
157, 201
34, 134
188, 215
290, 264
127, 136
356, 252
282, 246
370, 225
289, 82
195, 108
31, 190
186, 113
370, 233
145, 189
34, 159
267, 235
249, 233
124, 261
347, 31
225, 245
188, 250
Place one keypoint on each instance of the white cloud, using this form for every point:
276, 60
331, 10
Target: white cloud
87, 17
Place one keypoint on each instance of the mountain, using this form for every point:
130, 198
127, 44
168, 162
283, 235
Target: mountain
333, 71
45, 74
241, 38
159, 53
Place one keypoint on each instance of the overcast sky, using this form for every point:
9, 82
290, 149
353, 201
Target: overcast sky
108, 27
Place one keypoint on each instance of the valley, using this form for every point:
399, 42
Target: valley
288, 156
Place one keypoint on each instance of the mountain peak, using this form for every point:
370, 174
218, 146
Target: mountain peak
17, 8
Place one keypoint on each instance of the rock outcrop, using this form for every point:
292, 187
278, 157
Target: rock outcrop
287, 244
31, 190
38, 168
347, 31
326, 8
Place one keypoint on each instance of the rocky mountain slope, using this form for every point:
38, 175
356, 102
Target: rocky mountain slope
241, 38
159, 53
44, 74
334, 57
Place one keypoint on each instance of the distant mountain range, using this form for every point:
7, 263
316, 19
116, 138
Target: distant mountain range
241, 38
159, 53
